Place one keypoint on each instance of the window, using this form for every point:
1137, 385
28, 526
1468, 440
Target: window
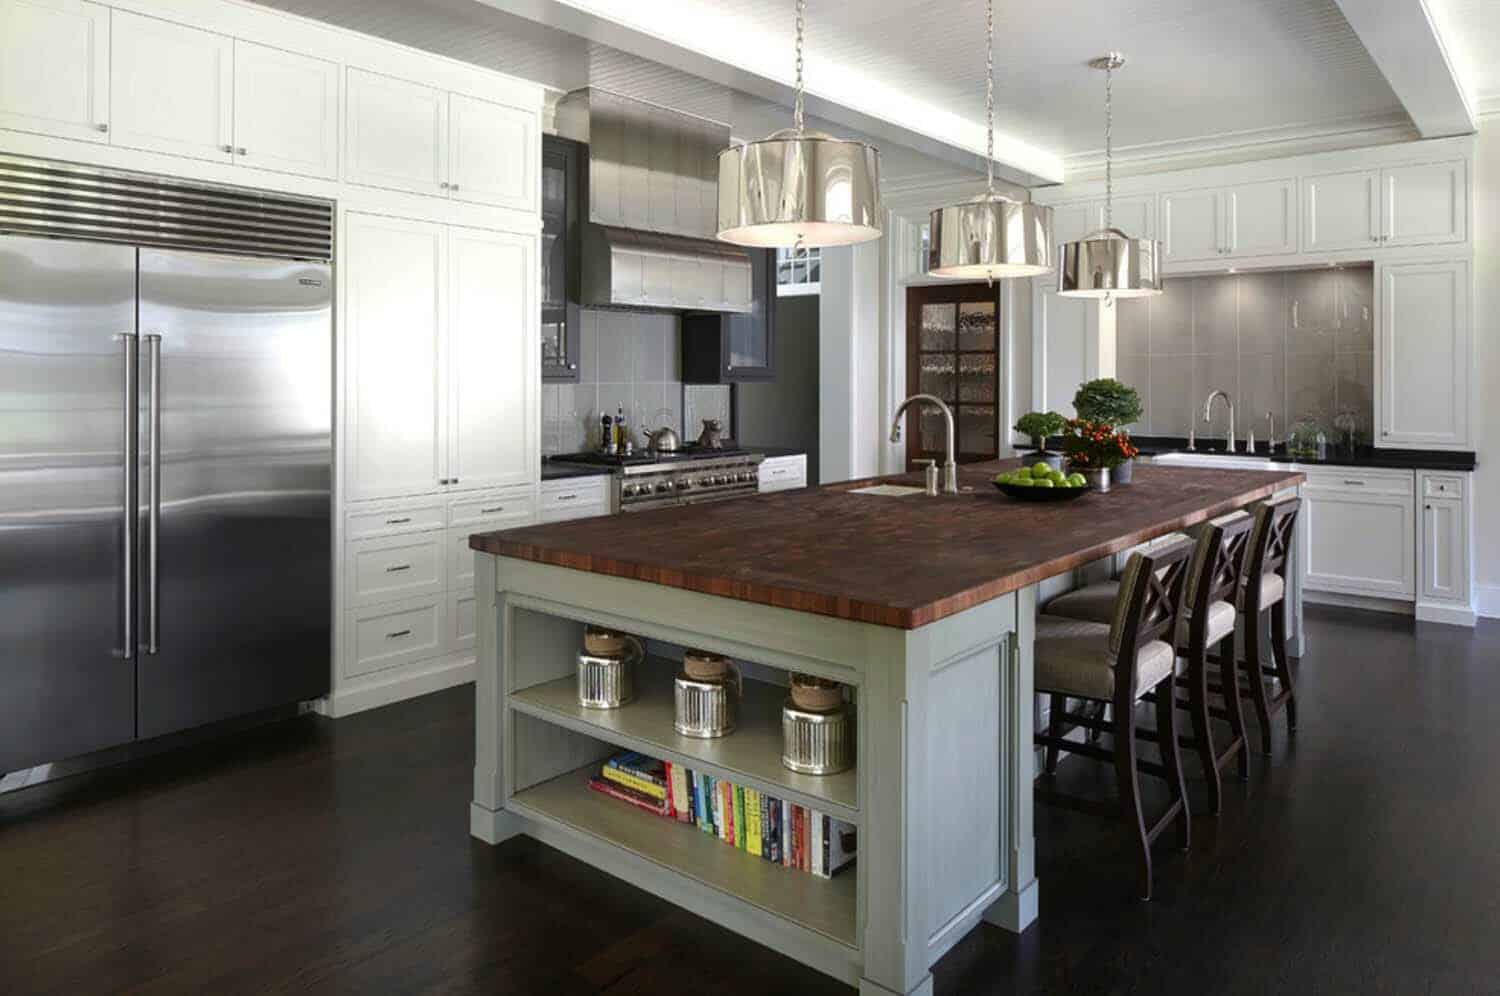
798, 272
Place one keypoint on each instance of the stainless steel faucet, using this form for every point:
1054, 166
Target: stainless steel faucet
1271, 442
1208, 415
950, 465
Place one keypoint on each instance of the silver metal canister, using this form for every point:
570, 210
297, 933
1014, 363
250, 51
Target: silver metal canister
816, 742
604, 680
706, 696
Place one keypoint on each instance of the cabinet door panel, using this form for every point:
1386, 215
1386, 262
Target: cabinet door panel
1341, 211
492, 153
1071, 222
1194, 221
1426, 204
396, 134
286, 111
171, 88
493, 374
1262, 218
1444, 560
1359, 544
393, 382
1423, 354
54, 68
1135, 216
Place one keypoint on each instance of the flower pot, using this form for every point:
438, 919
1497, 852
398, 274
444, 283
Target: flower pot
1053, 460
1098, 477
1123, 472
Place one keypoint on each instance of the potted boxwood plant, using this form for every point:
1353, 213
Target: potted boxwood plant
1111, 403
1094, 450
1040, 425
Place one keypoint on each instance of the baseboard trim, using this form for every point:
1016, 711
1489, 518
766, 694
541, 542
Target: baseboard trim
1451, 615
398, 688
1371, 602
1488, 599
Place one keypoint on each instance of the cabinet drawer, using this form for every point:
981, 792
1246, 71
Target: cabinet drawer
783, 473
1354, 480
379, 570
513, 506
567, 496
393, 634
1442, 486
393, 520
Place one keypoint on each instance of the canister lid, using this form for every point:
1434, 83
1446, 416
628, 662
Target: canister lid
816, 694
603, 642
701, 665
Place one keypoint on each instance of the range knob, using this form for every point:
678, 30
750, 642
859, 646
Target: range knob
663, 486
627, 490
683, 484
746, 477
721, 479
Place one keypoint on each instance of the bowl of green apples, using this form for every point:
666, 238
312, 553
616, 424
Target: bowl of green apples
1041, 482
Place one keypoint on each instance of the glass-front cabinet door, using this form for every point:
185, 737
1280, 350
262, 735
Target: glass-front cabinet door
953, 344
561, 161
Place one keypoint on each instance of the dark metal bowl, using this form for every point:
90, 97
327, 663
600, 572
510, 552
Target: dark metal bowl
1026, 493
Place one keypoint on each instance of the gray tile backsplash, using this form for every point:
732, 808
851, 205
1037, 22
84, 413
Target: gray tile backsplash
1299, 344
626, 359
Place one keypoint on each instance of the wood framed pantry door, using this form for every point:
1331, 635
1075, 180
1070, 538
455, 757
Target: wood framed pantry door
953, 352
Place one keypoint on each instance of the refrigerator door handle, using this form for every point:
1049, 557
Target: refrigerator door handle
153, 486
131, 343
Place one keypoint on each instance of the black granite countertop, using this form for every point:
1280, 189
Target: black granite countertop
774, 451
557, 471
1360, 456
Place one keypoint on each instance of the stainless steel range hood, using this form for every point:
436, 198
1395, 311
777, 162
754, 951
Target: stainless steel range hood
652, 207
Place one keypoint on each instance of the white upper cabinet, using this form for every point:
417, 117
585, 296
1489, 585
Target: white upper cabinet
1193, 221
1425, 204
1261, 219
492, 397
493, 153
1071, 222
1423, 354
395, 395
1341, 211
286, 111
54, 68
1135, 216
396, 134
171, 88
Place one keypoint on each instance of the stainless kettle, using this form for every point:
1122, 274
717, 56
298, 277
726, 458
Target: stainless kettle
665, 439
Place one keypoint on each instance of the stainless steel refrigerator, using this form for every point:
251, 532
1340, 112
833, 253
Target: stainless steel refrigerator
165, 461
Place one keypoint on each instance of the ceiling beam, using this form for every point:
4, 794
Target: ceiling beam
677, 36
1403, 39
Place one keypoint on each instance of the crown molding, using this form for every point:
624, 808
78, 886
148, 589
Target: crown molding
1245, 146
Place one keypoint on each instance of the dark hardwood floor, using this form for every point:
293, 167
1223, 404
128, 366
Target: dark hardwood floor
324, 856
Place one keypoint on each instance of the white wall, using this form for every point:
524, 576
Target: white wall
1487, 335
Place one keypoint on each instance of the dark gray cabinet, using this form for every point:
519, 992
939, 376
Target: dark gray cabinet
735, 349
562, 204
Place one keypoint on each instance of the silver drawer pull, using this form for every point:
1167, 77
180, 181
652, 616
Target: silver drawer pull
1355, 483
398, 634
491, 511
566, 497
397, 522
397, 567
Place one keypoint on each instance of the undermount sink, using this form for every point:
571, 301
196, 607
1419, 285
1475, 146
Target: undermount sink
1211, 458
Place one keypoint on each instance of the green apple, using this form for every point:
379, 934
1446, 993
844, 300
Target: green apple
1057, 477
1023, 482
1077, 481
1023, 472
1045, 482
1041, 469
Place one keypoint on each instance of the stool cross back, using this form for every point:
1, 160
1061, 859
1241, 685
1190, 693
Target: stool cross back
1263, 593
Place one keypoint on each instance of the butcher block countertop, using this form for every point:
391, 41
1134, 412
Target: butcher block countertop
902, 562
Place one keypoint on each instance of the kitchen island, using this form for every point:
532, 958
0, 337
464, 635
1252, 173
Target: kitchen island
924, 607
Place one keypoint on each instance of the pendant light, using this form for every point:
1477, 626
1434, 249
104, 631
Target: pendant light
1108, 263
990, 237
797, 188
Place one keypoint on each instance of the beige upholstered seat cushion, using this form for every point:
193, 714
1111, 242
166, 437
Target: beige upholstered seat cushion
1095, 603
1073, 658
1221, 616
1272, 590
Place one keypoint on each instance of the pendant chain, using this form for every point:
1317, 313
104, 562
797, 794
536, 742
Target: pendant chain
989, 96
797, 120
1109, 148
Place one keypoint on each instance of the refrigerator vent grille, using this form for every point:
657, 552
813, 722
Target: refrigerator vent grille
49, 199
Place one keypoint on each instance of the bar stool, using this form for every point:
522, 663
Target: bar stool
1263, 591
1119, 664
1208, 623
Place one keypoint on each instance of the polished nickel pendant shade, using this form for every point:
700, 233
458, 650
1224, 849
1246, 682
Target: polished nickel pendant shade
1108, 263
990, 237
799, 188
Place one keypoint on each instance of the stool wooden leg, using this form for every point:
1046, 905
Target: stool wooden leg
1283, 669
1202, 728
1057, 706
1130, 792
1229, 681
1253, 671
1171, 757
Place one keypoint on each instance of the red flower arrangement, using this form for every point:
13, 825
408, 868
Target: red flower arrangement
1096, 445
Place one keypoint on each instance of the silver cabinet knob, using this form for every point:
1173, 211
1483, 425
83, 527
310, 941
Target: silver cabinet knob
227, 148
240, 151
443, 185
572, 366
452, 186
101, 127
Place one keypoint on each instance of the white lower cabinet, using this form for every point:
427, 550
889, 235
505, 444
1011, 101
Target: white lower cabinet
1359, 532
574, 498
783, 473
381, 637
1443, 561
390, 567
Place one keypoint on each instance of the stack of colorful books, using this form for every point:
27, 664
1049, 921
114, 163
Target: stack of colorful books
768, 828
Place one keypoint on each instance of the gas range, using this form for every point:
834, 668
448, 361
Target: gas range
647, 480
